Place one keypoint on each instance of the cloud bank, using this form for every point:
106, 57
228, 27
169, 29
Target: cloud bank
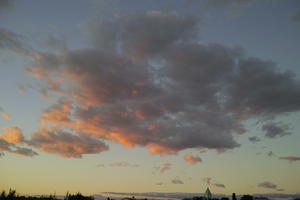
148, 81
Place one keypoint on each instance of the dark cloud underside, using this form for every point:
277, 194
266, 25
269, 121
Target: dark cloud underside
147, 81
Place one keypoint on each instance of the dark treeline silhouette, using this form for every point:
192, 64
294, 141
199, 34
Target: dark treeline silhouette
12, 195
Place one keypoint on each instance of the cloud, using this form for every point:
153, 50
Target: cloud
296, 17
12, 134
290, 158
5, 4
192, 159
118, 164
159, 183
161, 90
177, 181
254, 139
10, 41
270, 153
6, 116
10, 140
273, 130
219, 185
269, 185
164, 167
13, 148
66, 144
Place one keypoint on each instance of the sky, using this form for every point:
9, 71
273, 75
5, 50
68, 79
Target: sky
138, 96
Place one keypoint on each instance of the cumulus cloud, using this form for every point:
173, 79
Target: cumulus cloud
12, 134
118, 164
219, 185
192, 159
15, 149
148, 82
177, 181
273, 130
254, 139
66, 144
291, 159
10, 140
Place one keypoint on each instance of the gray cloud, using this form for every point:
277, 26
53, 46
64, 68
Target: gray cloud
15, 149
273, 130
163, 168
290, 158
118, 164
159, 183
269, 185
296, 17
66, 144
270, 153
254, 139
147, 82
10, 41
177, 181
219, 185
5, 4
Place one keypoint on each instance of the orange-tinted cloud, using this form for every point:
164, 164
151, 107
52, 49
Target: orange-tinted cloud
158, 90
66, 144
6, 116
290, 158
192, 159
11, 139
12, 134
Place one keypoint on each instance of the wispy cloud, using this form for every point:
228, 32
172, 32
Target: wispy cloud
177, 181
219, 185
291, 159
269, 185
118, 164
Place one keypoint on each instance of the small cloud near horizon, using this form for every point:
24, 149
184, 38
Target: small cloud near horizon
177, 181
291, 159
118, 164
192, 159
269, 185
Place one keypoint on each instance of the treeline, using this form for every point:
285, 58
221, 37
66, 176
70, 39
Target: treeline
12, 195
